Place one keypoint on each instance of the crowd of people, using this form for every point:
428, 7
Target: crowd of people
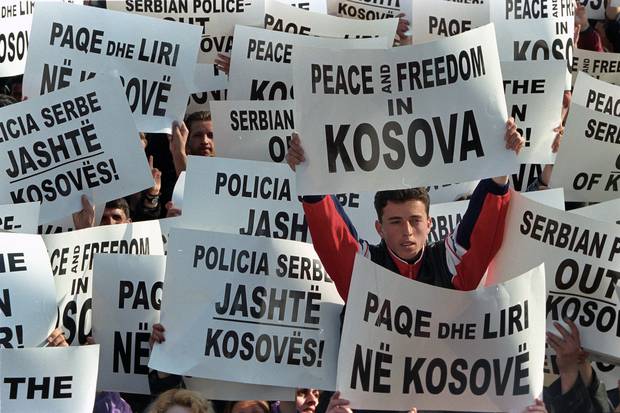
403, 222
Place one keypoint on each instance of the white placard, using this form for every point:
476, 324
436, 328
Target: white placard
228, 390
15, 23
216, 19
199, 102
410, 344
61, 145
594, 8
179, 189
127, 293
317, 6
433, 19
253, 130
27, 294
581, 257
542, 31
605, 211
65, 379
209, 78
261, 66
588, 162
600, 65
165, 224
274, 299
66, 224
71, 255
362, 130
534, 94
526, 174
71, 43
257, 198
20, 218
446, 217
451, 192
283, 18
369, 10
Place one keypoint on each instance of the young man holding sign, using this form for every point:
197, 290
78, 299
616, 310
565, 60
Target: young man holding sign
458, 262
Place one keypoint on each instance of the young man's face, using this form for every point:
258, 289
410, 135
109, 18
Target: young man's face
200, 140
404, 227
112, 216
306, 400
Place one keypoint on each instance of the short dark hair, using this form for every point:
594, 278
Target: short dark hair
6, 100
203, 115
399, 196
120, 203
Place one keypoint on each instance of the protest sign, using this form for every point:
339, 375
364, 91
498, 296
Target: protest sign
165, 224
361, 130
286, 336
253, 130
71, 255
541, 31
434, 19
451, 192
534, 94
179, 189
216, 19
201, 101
410, 344
20, 218
50, 380
581, 257
600, 65
126, 300
525, 176
605, 211
257, 198
319, 6
62, 145
66, 224
260, 67
70, 44
208, 78
369, 10
446, 217
588, 162
228, 390
595, 9
283, 18
28, 297
15, 23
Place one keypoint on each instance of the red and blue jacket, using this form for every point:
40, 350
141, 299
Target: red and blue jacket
459, 261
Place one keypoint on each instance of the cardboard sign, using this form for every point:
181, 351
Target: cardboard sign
362, 131
433, 20
71, 255
253, 130
283, 18
208, 78
216, 20
526, 174
534, 94
600, 65
581, 257
126, 300
20, 218
70, 44
62, 145
15, 23
369, 10
27, 294
588, 162
317, 6
261, 61
410, 344
264, 313
258, 198
605, 211
51, 380
543, 31
594, 8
